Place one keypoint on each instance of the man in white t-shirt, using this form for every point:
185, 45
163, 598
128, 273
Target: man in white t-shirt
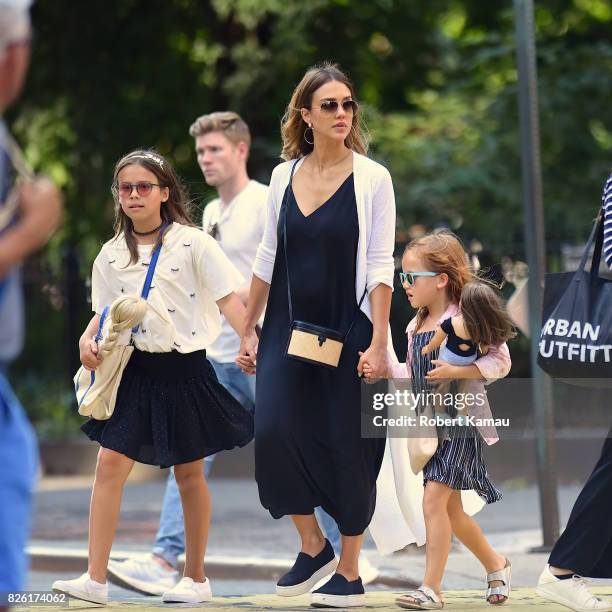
236, 219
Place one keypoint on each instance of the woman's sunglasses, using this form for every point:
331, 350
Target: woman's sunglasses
331, 106
143, 188
410, 277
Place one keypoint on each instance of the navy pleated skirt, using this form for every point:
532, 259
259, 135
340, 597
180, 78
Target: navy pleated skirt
171, 409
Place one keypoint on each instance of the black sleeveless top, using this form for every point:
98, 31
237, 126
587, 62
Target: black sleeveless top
453, 341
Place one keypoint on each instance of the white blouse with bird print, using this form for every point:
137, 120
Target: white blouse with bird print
192, 273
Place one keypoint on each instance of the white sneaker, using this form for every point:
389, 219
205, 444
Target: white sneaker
572, 593
83, 588
367, 571
188, 591
145, 576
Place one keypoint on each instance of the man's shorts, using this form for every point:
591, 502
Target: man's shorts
18, 469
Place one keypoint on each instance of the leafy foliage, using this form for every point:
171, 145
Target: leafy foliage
437, 79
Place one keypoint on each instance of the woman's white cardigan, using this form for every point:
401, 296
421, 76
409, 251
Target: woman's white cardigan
376, 214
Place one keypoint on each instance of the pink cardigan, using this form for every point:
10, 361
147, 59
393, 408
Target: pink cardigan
494, 365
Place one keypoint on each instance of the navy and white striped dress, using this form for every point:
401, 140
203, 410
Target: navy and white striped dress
607, 206
458, 462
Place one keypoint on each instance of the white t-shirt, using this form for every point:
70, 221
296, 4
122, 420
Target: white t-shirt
192, 273
239, 230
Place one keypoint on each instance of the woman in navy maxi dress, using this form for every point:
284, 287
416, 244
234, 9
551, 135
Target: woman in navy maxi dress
308, 445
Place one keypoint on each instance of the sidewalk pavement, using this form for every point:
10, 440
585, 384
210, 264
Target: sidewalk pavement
382, 600
250, 550
402, 570
246, 543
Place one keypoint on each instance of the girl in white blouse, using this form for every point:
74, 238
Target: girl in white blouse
170, 409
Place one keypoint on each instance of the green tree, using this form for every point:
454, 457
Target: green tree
437, 81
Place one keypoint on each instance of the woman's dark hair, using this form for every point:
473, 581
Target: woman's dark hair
486, 319
176, 208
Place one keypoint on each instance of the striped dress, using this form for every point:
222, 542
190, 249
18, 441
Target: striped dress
458, 462
606, 201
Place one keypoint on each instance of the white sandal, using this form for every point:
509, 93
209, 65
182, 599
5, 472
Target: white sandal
422, 598
503, 575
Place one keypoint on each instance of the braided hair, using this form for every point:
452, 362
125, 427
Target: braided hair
125, 312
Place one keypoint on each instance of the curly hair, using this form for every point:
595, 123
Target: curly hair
484, 313
443, 251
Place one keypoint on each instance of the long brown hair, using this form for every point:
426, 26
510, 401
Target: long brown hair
176, 208
443, 252
292, 124
484, 314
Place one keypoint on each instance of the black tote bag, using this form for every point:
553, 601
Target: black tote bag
576, 334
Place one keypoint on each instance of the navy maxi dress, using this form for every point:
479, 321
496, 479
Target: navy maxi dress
308, 446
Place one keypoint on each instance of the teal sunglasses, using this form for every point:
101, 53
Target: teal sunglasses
410, 277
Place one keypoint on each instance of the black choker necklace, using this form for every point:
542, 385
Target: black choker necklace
153, 231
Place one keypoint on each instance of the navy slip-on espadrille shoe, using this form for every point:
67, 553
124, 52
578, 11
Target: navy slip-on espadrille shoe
306, 572
338, 592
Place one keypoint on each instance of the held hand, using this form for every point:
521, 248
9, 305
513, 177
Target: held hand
366, 368
373, 362
368, 376
247, 358
246, 364
89, 355
442, 370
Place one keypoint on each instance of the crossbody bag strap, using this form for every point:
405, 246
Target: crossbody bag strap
151, 270
284, 206
284, 212
101, 324
146, 288
348, 331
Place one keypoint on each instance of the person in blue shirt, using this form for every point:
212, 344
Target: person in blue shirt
30, 209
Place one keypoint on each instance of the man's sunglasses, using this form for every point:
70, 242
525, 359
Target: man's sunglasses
331, 106
410, 277
143, 188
